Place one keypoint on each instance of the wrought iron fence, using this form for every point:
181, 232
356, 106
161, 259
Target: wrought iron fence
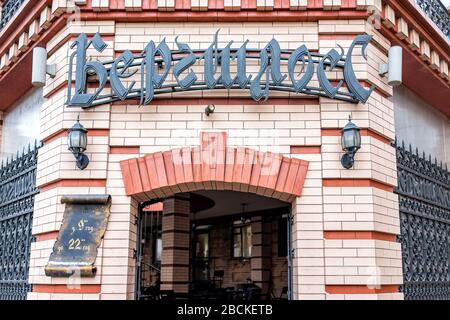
424, 201
438, 13
9, 8
17, 191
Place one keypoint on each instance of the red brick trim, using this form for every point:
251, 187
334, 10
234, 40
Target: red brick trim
375, 235
213, 166
357, 183
51, 235
73, 183
373, 134
98, 133
154, 207
62, 133
56, 89
360, 289
62, 288
225, 16
335, 132
20, 23
364, 132
419, 77
420, 22
14, 87
124, 150
305, 149
184, 14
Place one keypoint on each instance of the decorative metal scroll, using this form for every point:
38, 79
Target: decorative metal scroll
17, 191
424, 198
83, 227
9, 8
156, 62
438, 13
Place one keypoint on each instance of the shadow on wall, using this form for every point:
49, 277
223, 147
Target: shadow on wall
21, 124
419, 124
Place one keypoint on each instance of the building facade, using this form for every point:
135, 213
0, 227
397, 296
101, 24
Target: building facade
249, 192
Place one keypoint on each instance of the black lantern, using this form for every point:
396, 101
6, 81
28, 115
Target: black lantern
77, 142
210, 109
351, 142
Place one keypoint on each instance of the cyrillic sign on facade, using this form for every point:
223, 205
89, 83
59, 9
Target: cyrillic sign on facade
155, 63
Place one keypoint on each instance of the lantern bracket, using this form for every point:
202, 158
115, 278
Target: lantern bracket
82, 160
348, 159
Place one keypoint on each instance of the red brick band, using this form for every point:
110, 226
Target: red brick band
74, 183
359, 289
124, 150
51, 235
62, 288
154, 207
344, 235
337, 132
62, 133
357, 183
305, 150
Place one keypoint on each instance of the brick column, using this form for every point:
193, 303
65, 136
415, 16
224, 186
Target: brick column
261, 253
175, 244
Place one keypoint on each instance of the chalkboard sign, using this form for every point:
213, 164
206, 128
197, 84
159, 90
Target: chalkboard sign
83, 227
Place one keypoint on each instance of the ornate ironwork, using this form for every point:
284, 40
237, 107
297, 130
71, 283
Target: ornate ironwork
9, 8
438, 13
424, 201
17, 191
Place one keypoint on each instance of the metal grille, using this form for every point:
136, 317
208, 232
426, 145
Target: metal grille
17, 191
437, 12
9, 8
424, 198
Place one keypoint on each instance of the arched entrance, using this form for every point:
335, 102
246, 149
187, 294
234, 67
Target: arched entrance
238, 194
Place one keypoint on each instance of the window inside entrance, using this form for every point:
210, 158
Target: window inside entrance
202, 253
242, 239
283, 237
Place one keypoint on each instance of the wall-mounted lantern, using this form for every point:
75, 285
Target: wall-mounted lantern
77, 142
210, 109
351, 142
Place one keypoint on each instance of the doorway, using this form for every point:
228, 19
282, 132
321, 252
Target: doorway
240, 248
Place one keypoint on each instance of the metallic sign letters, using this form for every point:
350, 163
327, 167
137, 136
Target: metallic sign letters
155, 63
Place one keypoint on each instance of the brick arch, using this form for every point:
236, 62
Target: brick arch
214, 166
